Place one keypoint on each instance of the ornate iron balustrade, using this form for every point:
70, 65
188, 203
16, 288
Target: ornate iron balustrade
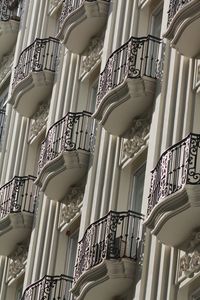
72, 132
174, 7
115, 236
179, 165
8, 11
49, 287
69, 6
18, 195
41, 55
2, 122
136, 58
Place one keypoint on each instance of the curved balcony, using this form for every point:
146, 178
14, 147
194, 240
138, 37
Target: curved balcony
108, 256
34, 76
127, 84
183, 26
9, 25
82, 19
174, 199
49, 287
64, 155
17, 204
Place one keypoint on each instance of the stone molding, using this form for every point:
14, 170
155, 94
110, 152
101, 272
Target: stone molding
92, 54
39, 120
5, 65
17, 261
189, 263
136, 137
72, 204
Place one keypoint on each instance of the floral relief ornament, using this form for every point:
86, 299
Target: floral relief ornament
136, 137
17, 260
72, 206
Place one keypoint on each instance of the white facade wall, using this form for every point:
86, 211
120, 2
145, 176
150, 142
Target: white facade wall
108, 183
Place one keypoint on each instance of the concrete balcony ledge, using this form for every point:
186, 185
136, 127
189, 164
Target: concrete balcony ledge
8, 35
62, 172
17, 205
174, 206
31, 91
82, 19
108, 256
65, 154
34, 76
183, 27
14, 228
127, 84
128, 100
109, 279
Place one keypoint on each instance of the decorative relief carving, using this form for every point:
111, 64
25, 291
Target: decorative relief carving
136, 138
72, 204
39, 120
189, 263
5, 65
92, 55
54, 4
17, 261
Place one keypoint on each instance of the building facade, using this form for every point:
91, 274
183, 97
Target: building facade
99, 149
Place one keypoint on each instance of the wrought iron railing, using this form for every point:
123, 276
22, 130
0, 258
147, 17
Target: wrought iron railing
49, 287
41, 55
179, 165
174, 7
136, 58
68, 7
2, 122
115, 236
8, 11
18, 195
72, 132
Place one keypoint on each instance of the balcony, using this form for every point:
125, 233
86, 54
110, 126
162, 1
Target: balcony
17, 204
9, 25
82, 19
108, 256
65, 154
34, 76
174, 205
49, 287
127, 84
183, 26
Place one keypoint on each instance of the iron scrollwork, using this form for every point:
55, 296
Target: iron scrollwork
115, 236
41, 55
174, 7
72, 132
178, 166
18, 195
134, 59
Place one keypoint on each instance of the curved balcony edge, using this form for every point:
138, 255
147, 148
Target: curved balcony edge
31, 91
72, 165
173, 202
183, 30
85, 21
100, 280
8, 36
131, 98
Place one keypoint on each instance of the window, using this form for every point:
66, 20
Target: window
156, 22
19, 291
71, 253
137, 189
